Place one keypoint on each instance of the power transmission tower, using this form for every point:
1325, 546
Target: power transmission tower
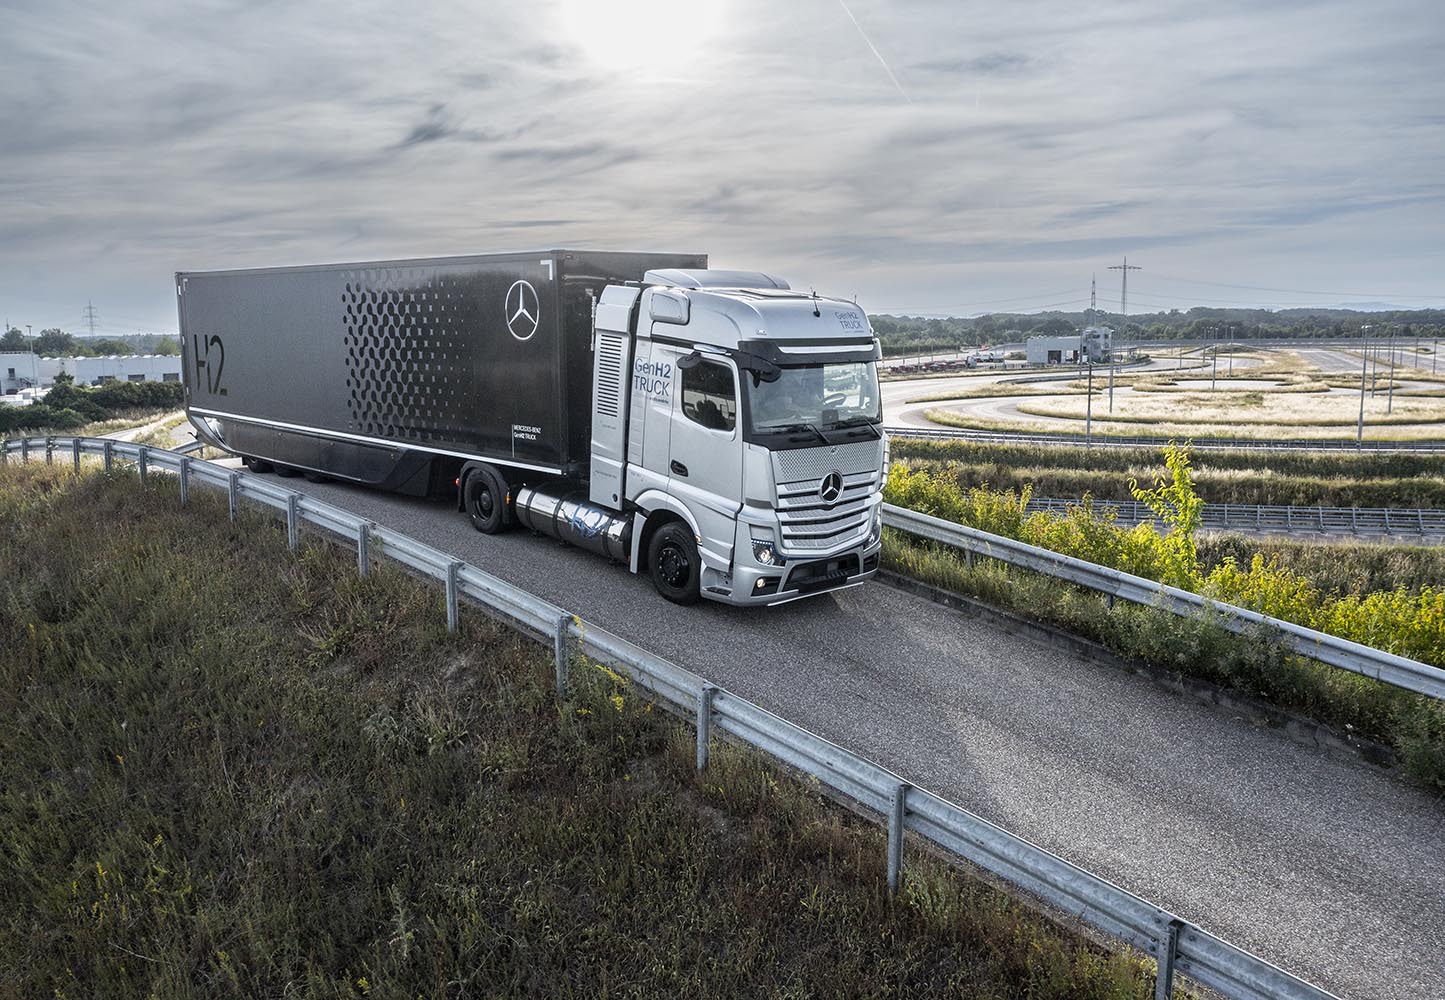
88, 317
1125, 267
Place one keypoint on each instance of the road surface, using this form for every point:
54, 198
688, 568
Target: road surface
1326, 866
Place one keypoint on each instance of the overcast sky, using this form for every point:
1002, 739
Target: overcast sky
931, 157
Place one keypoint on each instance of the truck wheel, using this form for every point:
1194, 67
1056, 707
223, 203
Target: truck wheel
256, 464
674, 563
287, 472
486, 499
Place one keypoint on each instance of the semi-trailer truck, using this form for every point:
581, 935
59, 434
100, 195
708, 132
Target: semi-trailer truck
714, 429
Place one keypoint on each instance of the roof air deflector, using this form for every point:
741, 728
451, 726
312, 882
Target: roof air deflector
678, 277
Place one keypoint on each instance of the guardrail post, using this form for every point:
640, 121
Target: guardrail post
185, 481
1322, 519
293, 527
50, 451
233, 483
142, 462
363, 549
75, 452
704, 723
24, 449
1387, 522
896, 813
1164, 978
452, 569
968, 557
109, 454
560, 652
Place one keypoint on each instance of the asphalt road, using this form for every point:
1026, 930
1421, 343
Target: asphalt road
1323, 865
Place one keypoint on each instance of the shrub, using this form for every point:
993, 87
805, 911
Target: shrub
1407, 622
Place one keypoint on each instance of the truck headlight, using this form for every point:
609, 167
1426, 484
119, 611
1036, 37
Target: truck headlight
764, 552
877, 529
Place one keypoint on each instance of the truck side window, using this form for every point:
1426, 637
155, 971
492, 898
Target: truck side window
708, 396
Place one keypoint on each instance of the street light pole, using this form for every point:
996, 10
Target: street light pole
1089, 409
1215, 374
1390, 404
1372, 354
1364, 365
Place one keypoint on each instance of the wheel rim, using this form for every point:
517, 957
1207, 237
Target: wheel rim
673, 565
484, 504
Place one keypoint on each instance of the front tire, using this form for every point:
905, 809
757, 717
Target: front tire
487, 500
674, 564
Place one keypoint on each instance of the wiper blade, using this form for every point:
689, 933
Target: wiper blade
801, 426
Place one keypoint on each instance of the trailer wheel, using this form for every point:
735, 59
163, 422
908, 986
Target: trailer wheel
287, 471
256, 464
674, 564
487, 500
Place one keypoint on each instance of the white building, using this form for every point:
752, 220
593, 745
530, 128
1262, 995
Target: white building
1094, 344
29, 371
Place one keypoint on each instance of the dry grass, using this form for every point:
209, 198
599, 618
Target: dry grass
231, 772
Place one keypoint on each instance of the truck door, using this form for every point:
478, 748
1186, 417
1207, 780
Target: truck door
706, 456
650, 428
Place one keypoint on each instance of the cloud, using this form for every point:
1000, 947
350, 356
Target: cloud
1292, 145
988, 64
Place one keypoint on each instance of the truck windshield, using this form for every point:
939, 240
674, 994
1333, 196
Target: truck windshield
817, 404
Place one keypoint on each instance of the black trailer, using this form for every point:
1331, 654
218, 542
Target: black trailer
395, 373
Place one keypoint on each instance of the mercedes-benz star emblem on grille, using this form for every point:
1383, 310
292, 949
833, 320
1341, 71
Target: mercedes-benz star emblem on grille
831, 487
522, 310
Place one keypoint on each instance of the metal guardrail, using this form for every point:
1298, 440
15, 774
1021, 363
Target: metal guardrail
1147, 441
1401, 671
1289, 519
1177, 945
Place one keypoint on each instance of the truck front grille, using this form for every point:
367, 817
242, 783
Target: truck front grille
811, 523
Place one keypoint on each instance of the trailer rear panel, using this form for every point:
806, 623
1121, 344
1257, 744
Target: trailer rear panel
369, 370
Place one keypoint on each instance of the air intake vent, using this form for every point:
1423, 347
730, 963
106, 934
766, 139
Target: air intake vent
408, 365
610, 351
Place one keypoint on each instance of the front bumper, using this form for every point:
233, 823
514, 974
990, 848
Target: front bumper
752, 583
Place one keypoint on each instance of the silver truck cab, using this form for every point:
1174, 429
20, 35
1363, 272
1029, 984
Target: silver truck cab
746, 416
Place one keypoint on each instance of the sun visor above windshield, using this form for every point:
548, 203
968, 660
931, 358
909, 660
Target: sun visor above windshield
812, 352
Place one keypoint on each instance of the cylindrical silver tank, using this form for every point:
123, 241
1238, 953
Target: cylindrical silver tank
575, 520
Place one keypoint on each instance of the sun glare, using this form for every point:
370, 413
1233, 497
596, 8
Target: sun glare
640, 35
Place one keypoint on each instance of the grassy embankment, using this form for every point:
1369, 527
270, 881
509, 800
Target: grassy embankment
1240, 477
1407, 618
227, 771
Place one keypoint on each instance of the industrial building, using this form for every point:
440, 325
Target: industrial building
1093, 345
30, 371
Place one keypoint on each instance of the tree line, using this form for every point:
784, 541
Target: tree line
922, 334
68, 406
56, 343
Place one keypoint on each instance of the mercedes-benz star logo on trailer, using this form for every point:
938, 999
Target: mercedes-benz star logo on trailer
522, 310
831, 488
